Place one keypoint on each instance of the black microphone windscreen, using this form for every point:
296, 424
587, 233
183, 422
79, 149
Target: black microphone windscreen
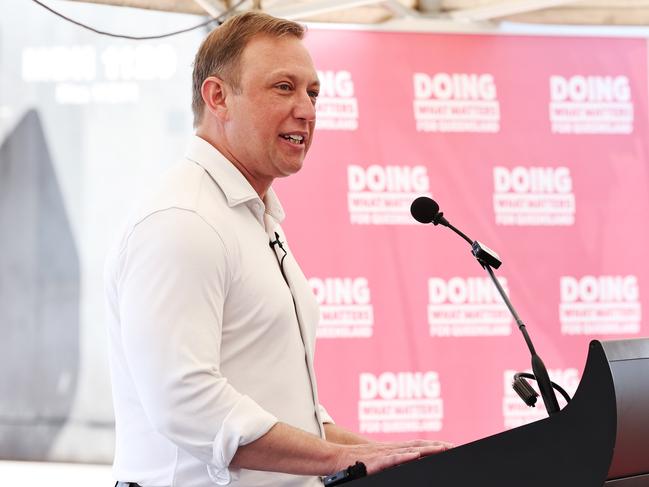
424, 209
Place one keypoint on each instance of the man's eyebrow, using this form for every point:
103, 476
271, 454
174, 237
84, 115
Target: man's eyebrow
291, 76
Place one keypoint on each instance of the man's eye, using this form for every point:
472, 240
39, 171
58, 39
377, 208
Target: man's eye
313, 94
284, 86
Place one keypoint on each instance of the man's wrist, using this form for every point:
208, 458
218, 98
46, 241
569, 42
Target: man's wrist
335, 457
337, 434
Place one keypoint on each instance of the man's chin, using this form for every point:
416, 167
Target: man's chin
287, 173
291, 167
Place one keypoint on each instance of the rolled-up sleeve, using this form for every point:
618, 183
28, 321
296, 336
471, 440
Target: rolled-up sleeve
324, 415
175, 277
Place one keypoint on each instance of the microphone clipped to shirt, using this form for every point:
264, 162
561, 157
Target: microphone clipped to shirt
277, 242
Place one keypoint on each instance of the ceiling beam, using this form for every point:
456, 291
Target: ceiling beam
584, 12
586, 16
402, 10
178, 6
504, 8
209, 7
464, 4
351, 11
314, 8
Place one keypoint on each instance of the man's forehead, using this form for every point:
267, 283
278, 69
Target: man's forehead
275, 56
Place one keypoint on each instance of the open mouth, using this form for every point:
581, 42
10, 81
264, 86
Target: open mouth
293, 139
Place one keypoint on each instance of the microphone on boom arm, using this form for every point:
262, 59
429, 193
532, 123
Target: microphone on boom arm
425, 210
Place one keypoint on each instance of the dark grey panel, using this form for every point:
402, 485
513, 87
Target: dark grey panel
630, 349
39, 297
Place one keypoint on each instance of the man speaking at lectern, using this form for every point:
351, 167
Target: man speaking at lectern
212, 323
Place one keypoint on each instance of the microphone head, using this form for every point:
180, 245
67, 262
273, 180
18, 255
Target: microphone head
424, 209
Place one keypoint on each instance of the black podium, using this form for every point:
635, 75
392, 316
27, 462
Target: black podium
600, 438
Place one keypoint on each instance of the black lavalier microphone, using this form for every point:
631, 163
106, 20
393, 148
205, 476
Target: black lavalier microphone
426, 210
279, 243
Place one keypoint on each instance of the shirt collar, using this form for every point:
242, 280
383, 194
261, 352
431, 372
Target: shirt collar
235, 186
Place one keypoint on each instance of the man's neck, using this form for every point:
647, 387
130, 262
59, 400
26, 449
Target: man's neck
260, 185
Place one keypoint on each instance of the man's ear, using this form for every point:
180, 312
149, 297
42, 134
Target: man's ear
214, 92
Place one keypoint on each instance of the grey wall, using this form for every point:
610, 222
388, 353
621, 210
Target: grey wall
85, 123
39, 297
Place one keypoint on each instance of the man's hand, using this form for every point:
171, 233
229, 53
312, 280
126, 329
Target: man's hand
291, 450
377, 456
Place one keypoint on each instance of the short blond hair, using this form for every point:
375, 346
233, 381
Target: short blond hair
220, 52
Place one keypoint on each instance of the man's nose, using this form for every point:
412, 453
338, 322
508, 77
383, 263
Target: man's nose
304, 108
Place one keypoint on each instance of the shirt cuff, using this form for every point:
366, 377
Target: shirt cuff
324, 415
245, 423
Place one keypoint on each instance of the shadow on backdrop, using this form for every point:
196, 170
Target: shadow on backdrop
39, 297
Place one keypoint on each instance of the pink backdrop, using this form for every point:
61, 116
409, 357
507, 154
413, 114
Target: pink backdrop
536, 146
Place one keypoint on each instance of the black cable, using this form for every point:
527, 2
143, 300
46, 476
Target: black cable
554, 385
218, 19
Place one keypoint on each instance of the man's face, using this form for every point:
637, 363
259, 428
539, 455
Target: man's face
270, 120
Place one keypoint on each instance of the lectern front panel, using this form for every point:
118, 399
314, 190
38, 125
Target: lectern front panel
629, 364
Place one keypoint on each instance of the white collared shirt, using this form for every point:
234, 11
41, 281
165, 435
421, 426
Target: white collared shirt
206, 349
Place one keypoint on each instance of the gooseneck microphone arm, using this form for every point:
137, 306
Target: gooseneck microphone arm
519, 322
443, 221
538, 367
425, 210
